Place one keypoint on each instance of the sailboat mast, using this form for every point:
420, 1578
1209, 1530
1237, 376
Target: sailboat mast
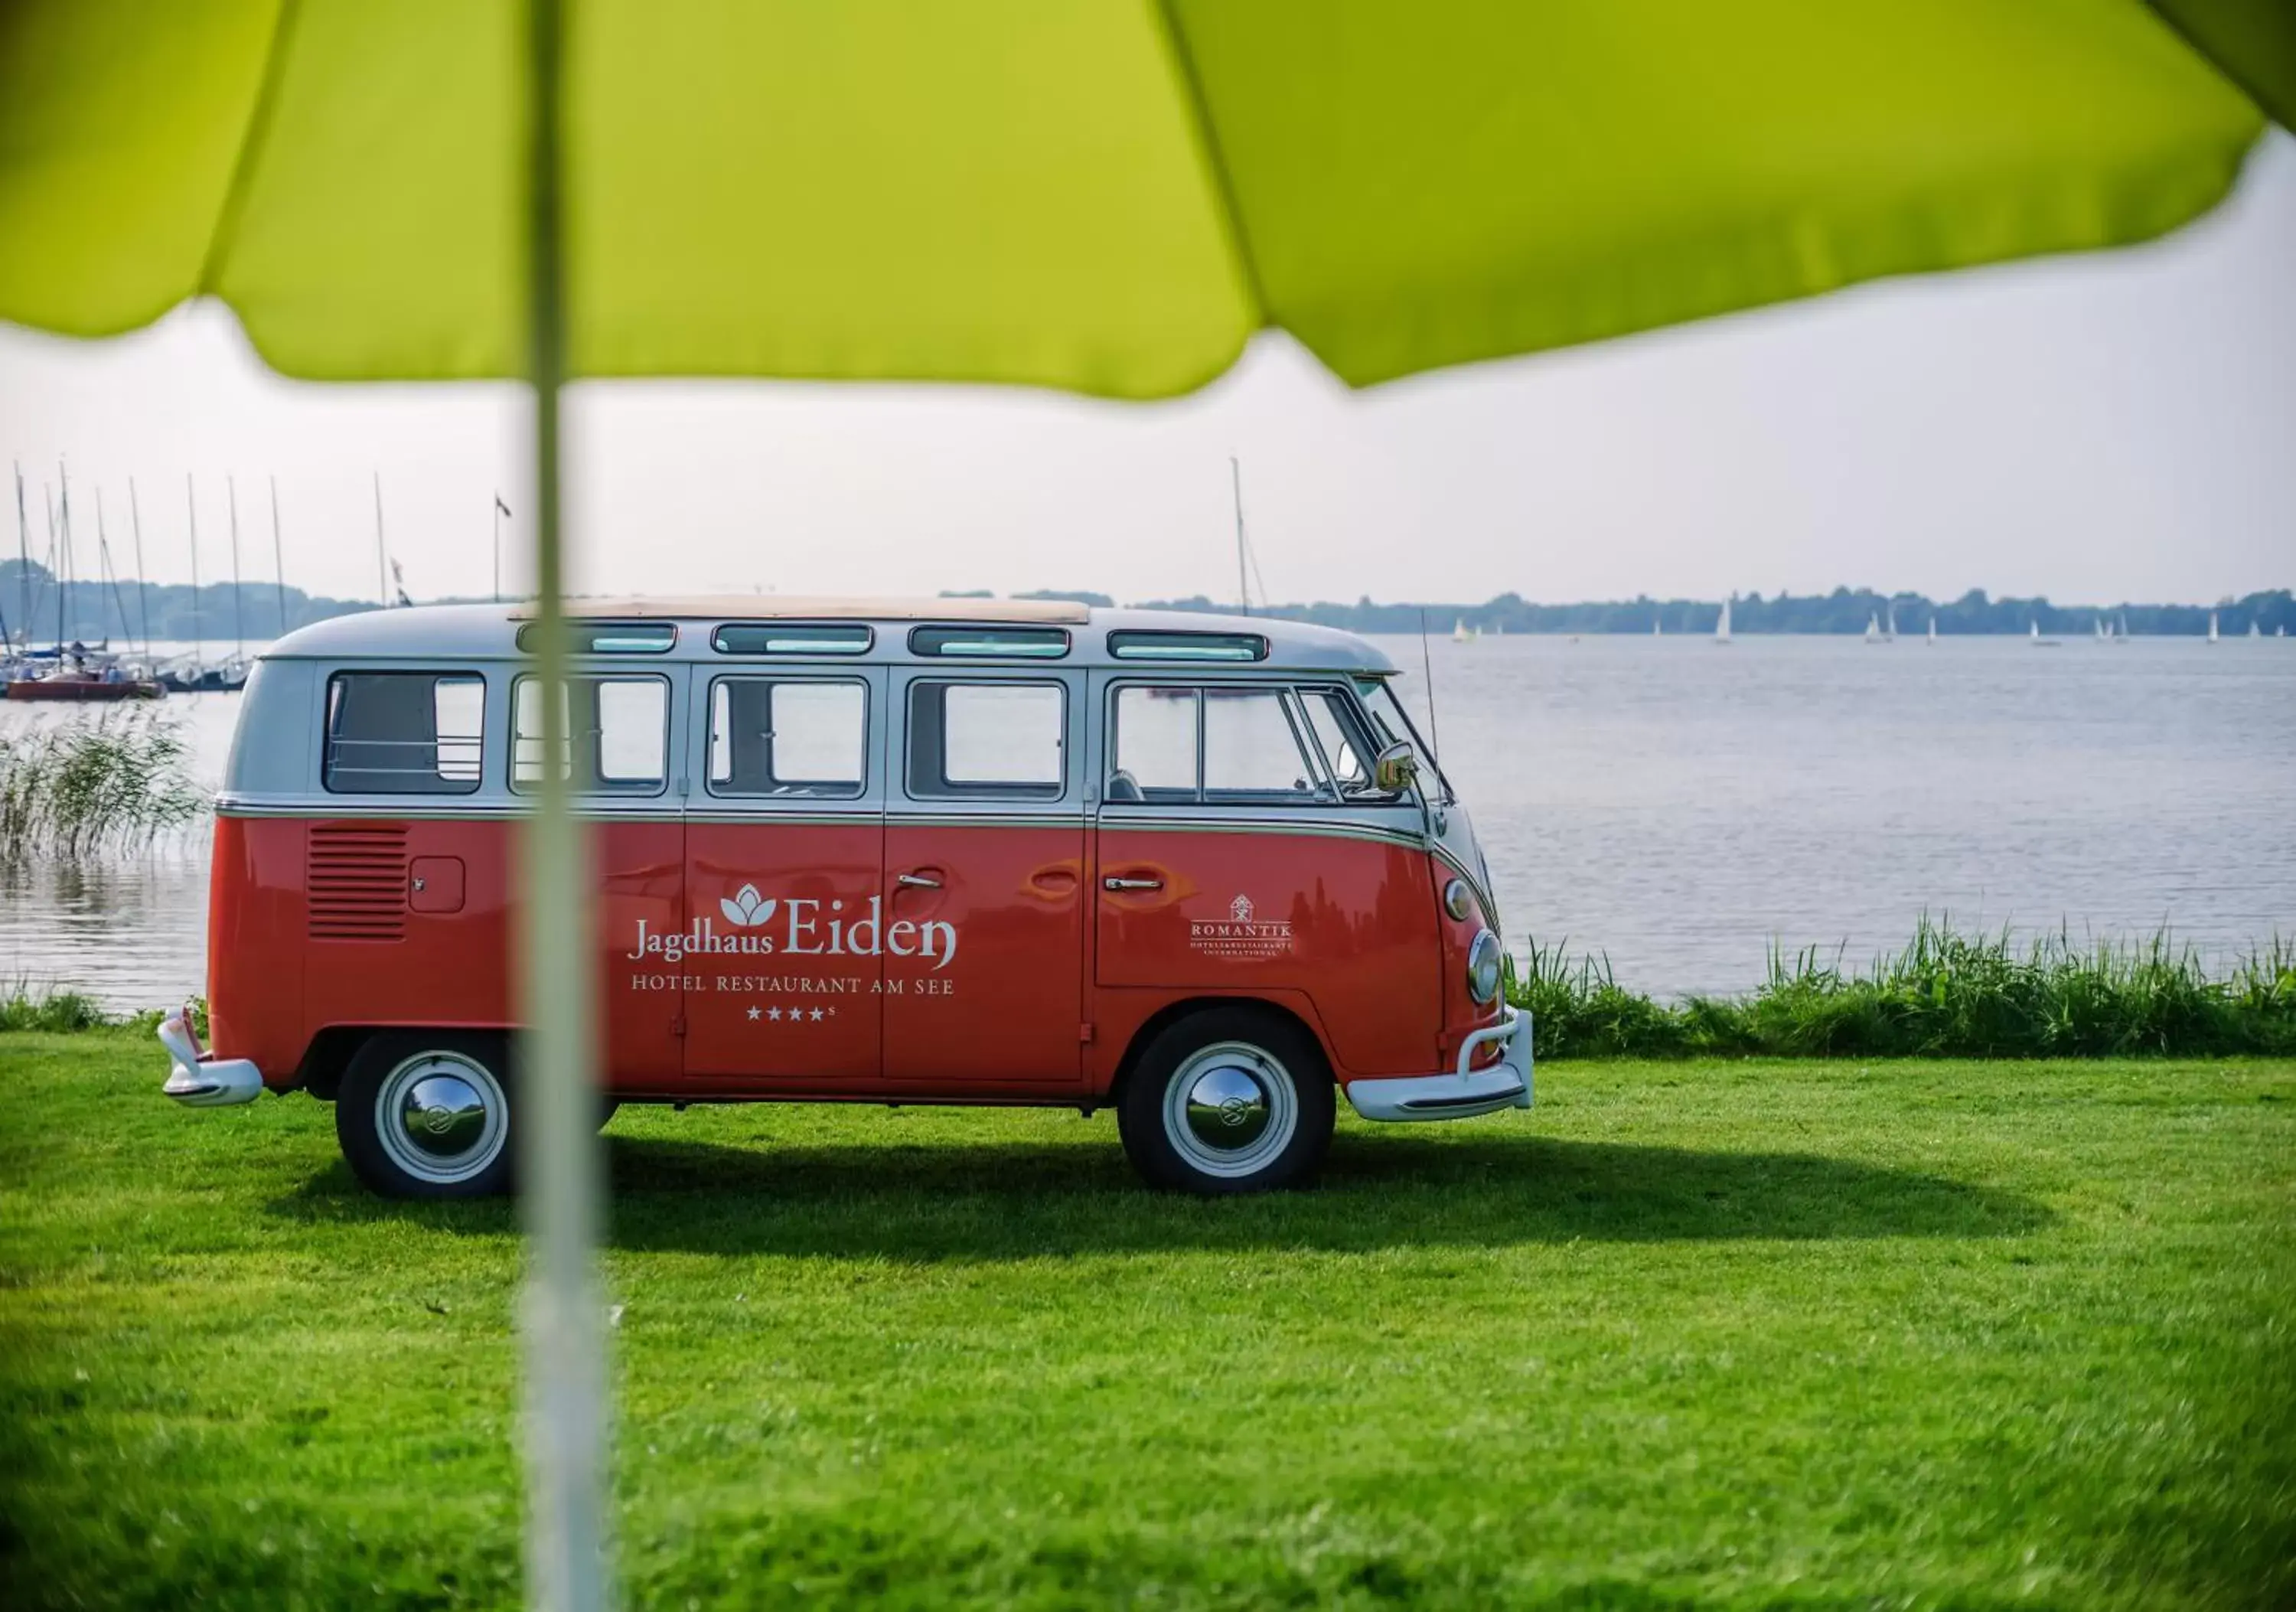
23, 558
382, 559
199, 637
238, 592
143, 585
1242, 588
112, 571
278, 561
64, 556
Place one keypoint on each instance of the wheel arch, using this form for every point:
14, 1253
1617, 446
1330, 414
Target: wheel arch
1172, 1013
336, 1047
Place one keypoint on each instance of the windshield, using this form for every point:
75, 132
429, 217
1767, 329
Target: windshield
1395, 724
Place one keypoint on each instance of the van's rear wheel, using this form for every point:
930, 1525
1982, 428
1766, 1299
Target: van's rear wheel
427, 1115
1228, 1100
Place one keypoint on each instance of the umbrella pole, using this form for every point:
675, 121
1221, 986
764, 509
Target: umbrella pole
566, 1388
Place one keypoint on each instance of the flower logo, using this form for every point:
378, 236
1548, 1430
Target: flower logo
1240, 909
745, 908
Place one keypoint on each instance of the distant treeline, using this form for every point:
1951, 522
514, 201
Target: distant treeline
1845, 610
222, 610
94, 611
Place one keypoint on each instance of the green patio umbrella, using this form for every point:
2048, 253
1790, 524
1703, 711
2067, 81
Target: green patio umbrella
1107, 196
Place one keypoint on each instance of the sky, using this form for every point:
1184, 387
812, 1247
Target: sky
2099, 428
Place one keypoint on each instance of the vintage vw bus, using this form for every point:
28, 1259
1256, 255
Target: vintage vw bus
1199, 869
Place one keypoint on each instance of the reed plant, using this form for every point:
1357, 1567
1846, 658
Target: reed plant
1944, 995
114, 783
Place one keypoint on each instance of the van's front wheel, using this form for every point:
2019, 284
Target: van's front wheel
427, 1115
1228, 1100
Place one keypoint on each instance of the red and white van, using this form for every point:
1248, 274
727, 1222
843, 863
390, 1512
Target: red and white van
1197, 868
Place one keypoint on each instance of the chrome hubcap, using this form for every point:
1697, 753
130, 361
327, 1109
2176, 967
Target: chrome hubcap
1227, 1107
1231, 1109
442, 1116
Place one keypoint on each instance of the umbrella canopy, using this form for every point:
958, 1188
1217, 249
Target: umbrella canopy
1104, 197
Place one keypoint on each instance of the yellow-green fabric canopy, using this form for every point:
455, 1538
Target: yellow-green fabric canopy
1109, 196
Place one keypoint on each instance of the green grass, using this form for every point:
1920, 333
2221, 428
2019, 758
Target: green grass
1944, 995
95, 786
1753, 1333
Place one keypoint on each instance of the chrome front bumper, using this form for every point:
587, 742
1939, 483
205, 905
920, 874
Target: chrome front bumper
200, 1080
1463, 1093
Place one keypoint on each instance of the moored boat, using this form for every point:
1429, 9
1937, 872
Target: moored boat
85, 689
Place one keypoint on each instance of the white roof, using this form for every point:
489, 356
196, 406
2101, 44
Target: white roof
489, 632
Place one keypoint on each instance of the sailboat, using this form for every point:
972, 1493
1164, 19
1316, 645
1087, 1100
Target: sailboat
2102, 634
1461, 633
1872, 628
2252, 631
1722, 627
1889, 624
1932, 630
2121, 636
2213, 626
2038, 642
1658, 629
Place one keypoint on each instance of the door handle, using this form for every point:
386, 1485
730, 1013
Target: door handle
918, 880
1121, 884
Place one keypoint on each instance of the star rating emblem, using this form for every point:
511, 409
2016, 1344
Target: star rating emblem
753, 1014
816, 1015
774, 1014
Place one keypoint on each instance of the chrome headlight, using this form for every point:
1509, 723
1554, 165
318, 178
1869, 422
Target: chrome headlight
1484, 965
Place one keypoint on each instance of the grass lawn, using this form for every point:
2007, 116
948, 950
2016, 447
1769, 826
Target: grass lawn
1753, 1333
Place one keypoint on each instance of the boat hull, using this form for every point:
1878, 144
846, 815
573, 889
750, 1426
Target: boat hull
83, 689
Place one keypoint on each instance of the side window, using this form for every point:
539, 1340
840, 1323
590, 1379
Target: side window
1210, 743
618, 730
773, 736
995, 741
1337, 730
1154, 745
404, 733
1251, 750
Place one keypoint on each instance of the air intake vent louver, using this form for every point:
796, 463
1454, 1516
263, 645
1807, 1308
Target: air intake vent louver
356, 876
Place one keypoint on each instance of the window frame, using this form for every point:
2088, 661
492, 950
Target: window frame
596, 675
437, 675
959, 794
926, 642
842, 639
1325, 792
1355, 728
861, 792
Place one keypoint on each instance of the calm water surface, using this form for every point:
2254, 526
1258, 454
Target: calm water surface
1681, 806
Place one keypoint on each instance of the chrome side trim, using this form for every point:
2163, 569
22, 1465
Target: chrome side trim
335, 808
1342, 830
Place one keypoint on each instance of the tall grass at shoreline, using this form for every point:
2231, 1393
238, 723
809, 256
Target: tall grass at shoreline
80, 789
1945, 995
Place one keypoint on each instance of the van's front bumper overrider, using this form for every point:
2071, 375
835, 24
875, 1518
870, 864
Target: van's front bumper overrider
1464, 1092
199, 1079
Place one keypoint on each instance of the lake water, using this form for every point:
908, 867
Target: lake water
1680, 806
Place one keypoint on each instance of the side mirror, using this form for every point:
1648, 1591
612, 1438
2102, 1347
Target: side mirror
1395, 769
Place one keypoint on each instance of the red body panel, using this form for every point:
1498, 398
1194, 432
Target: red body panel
1347, 923
991, 986
1008, 1005
256, 947
800, 1006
